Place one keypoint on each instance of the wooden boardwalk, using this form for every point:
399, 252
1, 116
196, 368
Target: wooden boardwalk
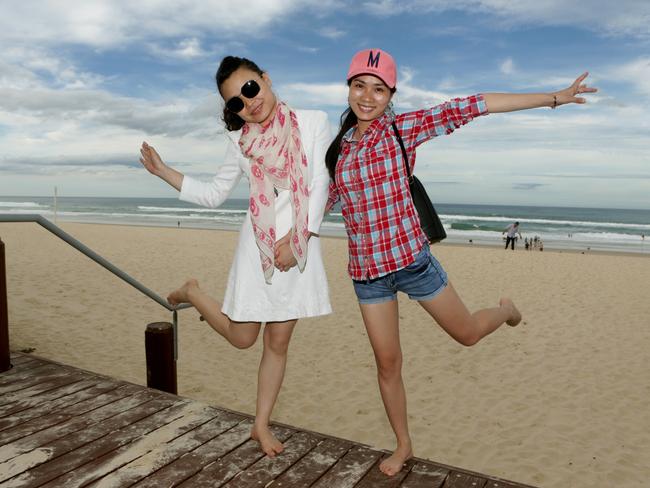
65, 427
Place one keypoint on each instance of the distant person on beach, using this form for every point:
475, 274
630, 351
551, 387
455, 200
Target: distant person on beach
388, 252
526, 245
511, 235
281, 152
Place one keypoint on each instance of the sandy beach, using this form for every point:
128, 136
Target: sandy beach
563, 400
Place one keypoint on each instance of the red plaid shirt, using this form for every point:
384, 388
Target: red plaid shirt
383, 228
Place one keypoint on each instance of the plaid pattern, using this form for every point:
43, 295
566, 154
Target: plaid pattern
383, 228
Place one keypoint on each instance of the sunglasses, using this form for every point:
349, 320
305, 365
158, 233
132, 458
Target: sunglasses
249, 90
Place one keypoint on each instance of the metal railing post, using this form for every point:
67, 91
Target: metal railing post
161, 363
5, 363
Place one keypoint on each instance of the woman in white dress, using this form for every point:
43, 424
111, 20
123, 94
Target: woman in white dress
282, 153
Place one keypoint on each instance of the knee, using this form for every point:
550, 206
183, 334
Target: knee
244, 342
278, 345
468, 339
389, 366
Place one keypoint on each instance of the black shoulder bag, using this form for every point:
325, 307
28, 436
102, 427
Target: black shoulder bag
429, 220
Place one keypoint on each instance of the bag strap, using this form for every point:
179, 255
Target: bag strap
401, 144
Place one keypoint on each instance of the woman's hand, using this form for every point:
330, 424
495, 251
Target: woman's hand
511, 102
151, 160
284, 258
568, 95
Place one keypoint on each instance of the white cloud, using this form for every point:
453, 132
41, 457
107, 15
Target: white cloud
624, 17
185, 49
319, 94
507, 67
110, 24
332, 32
636, 72
24, 68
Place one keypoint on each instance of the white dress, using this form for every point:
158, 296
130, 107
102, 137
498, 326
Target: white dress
292, 294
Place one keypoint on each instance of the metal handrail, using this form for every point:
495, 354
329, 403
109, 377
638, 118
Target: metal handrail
57, 231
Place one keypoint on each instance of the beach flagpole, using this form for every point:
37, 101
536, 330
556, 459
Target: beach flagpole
5, 363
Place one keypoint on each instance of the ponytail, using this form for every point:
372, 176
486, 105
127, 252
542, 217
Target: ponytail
348, 120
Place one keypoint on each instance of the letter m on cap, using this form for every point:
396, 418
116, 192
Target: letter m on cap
373, 60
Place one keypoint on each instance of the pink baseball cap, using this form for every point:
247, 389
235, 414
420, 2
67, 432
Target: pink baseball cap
374, 62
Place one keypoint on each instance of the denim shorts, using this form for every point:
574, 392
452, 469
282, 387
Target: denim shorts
423, 279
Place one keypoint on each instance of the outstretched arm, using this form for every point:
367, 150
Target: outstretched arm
510, 102
155, 165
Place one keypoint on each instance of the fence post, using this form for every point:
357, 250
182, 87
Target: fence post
159, 349
5, 363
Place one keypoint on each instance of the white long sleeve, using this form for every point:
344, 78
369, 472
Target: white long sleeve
318, 189
214, 193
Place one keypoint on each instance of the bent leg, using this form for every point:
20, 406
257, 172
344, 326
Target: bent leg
382, 324
467, 328
242, 335
271, 373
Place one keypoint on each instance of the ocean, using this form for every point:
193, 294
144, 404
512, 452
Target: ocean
586, 229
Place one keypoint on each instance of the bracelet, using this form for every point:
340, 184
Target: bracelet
554, 102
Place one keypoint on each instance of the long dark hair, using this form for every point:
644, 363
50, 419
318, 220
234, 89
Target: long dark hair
228, 66
348, 120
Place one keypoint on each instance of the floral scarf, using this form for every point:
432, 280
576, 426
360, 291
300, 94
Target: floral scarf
277, 160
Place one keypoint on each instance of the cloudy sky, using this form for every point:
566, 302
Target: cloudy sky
82, 83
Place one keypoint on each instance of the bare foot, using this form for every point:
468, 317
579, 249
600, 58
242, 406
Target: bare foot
515, 315
180, 295
394, 463
270, 445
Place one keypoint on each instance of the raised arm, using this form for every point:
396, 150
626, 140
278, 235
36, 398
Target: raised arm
510, 102
153, 163
206, 194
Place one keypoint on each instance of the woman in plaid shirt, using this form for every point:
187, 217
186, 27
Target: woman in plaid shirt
387, 249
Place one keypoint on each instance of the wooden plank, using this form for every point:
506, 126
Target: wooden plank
57, 425
351, 468
223, 470
31, 402
26, 365
18, 358
51, 372
313, 465
56, 404
267, 469
502, 484
118, 437
38, 456
463, 480
164, 454
41, 388
191, 463
192, 416
425, 474
21, 359
375, 478
15, 375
